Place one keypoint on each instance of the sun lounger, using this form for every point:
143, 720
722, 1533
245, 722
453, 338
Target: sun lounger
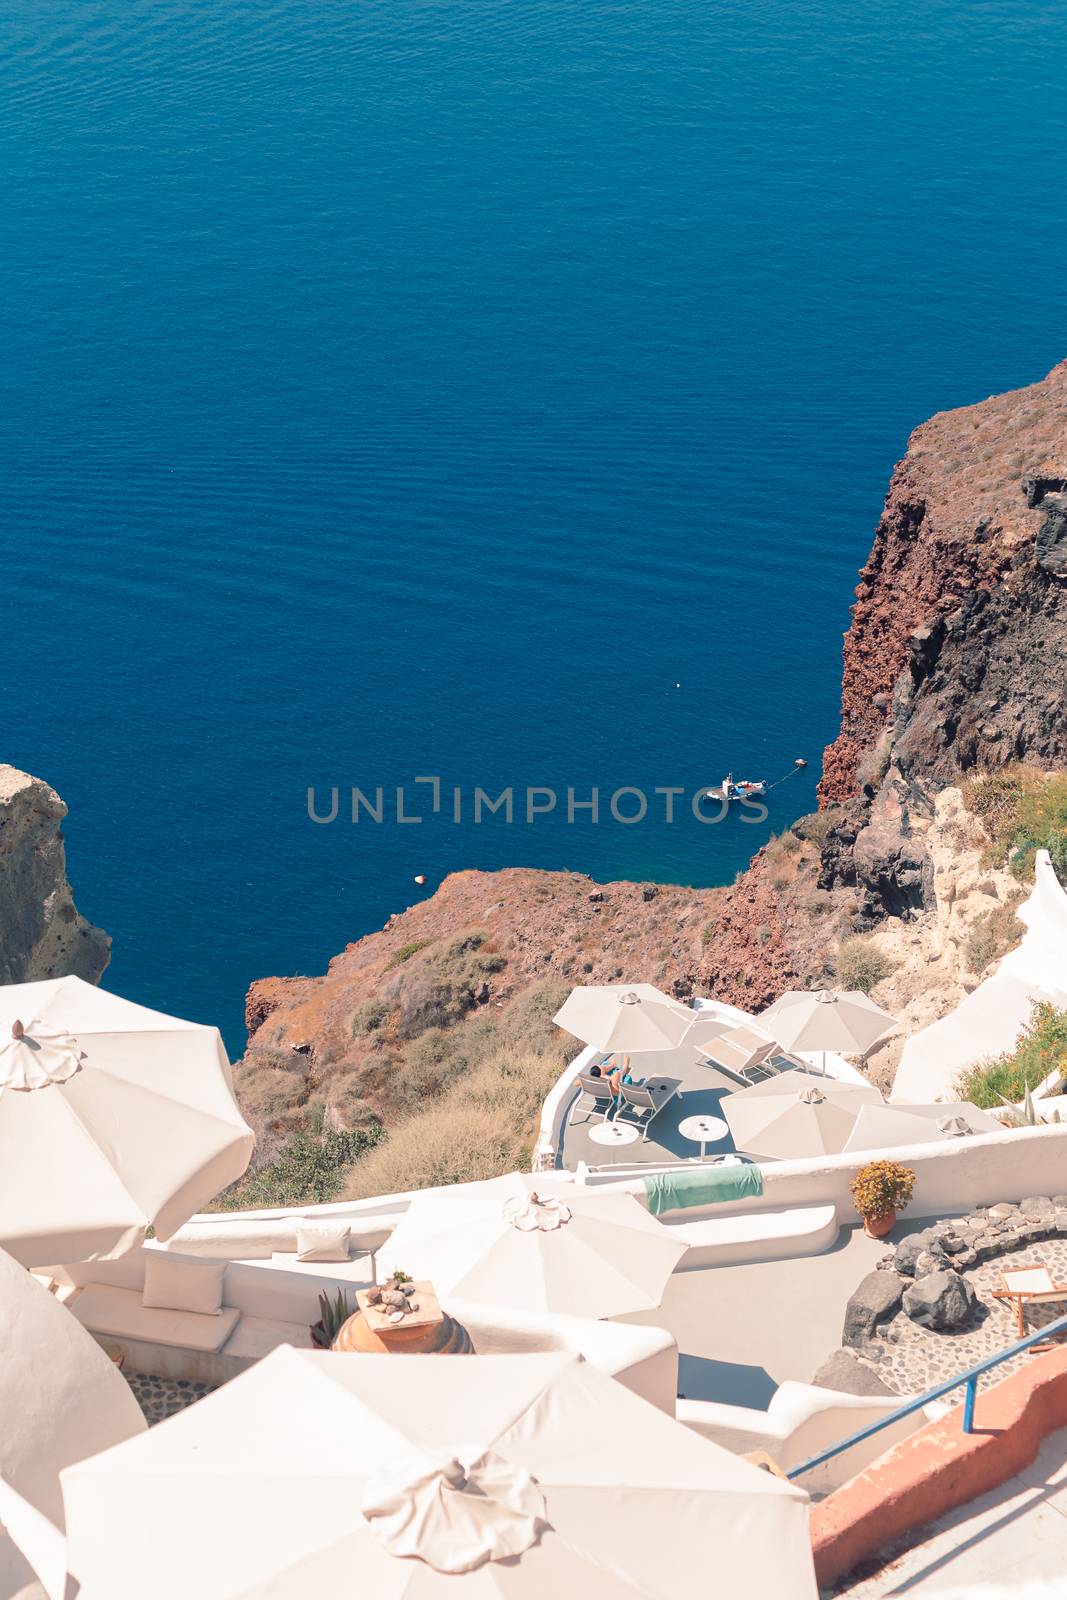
598, 1091
1030, 1285
747, 1057
646, 1101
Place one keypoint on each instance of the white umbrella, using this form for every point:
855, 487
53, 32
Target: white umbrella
61, 1397
796, 1114
882, 1127
629, 1016
112, 1117
586, 1252
408, 1477
819, 1020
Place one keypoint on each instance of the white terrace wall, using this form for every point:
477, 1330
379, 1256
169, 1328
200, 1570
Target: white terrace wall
558, 1100
951, 1176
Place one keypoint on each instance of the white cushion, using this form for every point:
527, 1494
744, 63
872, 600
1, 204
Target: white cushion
234, 1240
322, 1244
102, 1308
173, 1284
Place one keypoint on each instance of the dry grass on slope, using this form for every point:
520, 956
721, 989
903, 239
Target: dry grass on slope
484, 1125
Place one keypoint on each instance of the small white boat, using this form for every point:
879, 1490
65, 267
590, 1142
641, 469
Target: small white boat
736, 789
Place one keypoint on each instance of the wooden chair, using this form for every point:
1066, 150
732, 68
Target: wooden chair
1031, 1285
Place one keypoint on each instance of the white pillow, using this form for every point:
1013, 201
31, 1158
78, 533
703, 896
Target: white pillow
171, 1284
322, 1244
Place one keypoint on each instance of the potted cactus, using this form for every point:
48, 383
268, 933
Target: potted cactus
335, 1313
879, 1190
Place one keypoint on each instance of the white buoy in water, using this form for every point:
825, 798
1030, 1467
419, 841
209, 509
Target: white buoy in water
420, 877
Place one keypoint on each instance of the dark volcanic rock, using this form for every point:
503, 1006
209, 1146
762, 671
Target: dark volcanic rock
849, 1376
1036, 486
915, 1245
890, 863
1050, 546
996, 693
42, 933
878, 1296
940, 1301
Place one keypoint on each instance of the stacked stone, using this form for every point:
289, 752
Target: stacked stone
921, 1285
986, 1233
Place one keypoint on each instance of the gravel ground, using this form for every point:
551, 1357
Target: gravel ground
910, 1359
159, 1398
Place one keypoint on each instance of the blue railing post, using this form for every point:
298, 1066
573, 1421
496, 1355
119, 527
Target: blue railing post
968, 1405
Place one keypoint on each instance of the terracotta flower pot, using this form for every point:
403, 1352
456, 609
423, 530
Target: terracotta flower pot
878, 1227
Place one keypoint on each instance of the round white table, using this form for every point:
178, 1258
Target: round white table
703, 1130
615, 1133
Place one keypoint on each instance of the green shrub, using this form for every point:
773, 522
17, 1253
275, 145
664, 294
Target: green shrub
817, 824
306, 1171
526, 1025
484, 1125
405, 953
992, 935
782, 845
438, 1056
344, 1095
368, 1017
447, 985
1023, 811
993, 797
265, 1092
861, 965
1041, 1050
1041, 825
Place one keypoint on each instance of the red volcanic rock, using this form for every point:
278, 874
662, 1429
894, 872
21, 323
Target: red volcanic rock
956, 660
486, 959
963, 512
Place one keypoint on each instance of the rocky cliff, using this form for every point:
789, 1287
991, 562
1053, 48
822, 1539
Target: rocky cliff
955, 661
42, 934
479, 966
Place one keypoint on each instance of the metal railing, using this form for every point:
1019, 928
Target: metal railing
969, 1378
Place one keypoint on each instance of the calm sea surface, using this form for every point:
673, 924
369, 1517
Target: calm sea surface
499, 391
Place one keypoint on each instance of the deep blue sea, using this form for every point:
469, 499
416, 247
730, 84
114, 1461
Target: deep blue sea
505, 392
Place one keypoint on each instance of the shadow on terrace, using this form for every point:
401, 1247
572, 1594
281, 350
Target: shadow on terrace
701, 1089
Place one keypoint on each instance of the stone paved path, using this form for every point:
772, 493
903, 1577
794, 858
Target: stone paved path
159, 1398
909, 1359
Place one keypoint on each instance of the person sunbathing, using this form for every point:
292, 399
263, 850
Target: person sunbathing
619, 1075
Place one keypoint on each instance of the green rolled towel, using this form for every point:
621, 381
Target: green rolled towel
703, 1186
